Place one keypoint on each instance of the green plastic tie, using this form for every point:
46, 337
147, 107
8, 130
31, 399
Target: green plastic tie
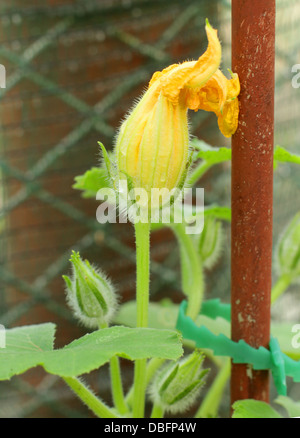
278, 367
260, 358
214, 308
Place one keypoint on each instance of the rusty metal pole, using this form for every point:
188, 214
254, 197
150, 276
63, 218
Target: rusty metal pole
253, 54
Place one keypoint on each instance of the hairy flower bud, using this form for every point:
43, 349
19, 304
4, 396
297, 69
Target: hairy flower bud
153, 149
287, 252
90, 294
210, 242
177, 385
152, 145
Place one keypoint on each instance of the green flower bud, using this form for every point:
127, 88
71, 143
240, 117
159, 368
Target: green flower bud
177, 385
287, 252
210, 242
90, 294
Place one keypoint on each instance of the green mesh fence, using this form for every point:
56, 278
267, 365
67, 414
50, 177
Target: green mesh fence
73, 70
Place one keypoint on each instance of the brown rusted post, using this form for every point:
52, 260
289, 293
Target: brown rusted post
253, 53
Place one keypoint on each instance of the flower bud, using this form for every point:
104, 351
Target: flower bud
90, 294
177, 385
287, 252
210, 242
152, 145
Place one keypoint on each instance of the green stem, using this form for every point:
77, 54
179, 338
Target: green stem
280, 286
210, 405
157, 411
117, 387
116, 381
139, 388
142, 233
191, 271
152, 367
87, 397
198, 172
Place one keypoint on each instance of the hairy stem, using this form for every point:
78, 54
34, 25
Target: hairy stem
157, 411
152, 367
191, 271
210, 405
198, 172
280, 286
117, 387
89, 399
142, 233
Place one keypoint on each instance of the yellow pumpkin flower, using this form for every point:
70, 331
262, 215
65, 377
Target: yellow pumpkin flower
152, 145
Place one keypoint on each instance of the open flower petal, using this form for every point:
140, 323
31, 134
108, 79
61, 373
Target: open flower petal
219, 95
233, 86
228, 120
192, 74
211, 97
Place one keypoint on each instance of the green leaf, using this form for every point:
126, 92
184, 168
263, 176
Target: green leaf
212, 155
164, 315
292, 407
31, 346
25, 348
282, 155
107, 162
91, 181
253, 409
95, 349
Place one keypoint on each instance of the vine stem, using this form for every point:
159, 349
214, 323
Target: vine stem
191, 271
116, 382
152, 367
157, 411
117, 387
198, 172
280, 286
142, 235
89, 399
209, 406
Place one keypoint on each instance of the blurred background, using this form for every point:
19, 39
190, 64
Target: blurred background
73, 70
